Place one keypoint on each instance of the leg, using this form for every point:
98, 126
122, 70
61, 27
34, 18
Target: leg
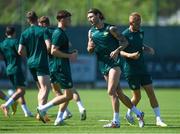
19, 92
67, 96
24, 107
44, 89
154, 104
56, 89
113, 79
82, 110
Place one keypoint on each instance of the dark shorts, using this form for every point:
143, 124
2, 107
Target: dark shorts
135, 82
38, 72
105, 66
64, 80
17, 80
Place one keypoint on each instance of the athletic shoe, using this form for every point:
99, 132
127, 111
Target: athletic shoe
41, 115
67, 115
130, 119
58, 122
160, 123
113, 124
83, 115
29, 114
5, 110
46, 118
14, 107
141, 120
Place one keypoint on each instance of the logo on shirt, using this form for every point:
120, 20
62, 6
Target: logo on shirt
105, 33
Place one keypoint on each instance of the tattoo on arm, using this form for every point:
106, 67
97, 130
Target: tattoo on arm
122, 40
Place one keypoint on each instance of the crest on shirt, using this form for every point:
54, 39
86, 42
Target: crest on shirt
105, 33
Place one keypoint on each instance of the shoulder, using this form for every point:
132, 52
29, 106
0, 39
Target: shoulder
126, 32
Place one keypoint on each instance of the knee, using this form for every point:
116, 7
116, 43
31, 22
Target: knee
136, 98
111, 92
21, 91
69, 96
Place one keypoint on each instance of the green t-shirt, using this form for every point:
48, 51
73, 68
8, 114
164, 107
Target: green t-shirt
34, 41
134, 67
8, 49
105, 43
48, 36
60, 40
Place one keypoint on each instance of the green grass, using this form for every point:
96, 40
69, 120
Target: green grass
98, 107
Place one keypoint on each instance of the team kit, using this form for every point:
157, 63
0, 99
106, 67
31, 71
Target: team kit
48, 54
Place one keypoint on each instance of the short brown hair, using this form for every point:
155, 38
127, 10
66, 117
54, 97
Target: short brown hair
97, 11
10, 30
63, 14
31, 16
44, 19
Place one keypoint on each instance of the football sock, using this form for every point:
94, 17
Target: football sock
157, 111
116, 117
136, 111
80, 106
9, 102
46, 106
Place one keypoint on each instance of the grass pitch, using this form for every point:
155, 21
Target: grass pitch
98, 108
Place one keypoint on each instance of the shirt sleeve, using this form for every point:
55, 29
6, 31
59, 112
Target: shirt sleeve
46, 34
57, 39
22, 40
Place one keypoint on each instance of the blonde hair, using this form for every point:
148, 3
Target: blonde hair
135, 15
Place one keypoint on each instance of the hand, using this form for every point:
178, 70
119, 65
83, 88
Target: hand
73, 56
114, 54
91, 47
134, 55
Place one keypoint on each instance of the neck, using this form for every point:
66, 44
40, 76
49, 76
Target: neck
132, 30
61, 26
100, 25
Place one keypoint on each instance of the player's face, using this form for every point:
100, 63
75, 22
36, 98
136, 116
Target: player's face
93, 19
67, 21
135, 23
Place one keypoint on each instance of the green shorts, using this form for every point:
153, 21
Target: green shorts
105, 66
135, 82
17, 80
63, 79
38, 72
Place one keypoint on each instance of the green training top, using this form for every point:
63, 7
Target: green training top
134, 67
104, 42
33, 39
48, 36
60, 40
9, 49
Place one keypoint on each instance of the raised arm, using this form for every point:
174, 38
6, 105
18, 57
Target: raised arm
90, 46
123, 43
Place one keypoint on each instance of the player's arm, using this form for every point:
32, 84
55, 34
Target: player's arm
22, 50
90, 46
123, 43
57, 53
148, 49
48, 45
133, 56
